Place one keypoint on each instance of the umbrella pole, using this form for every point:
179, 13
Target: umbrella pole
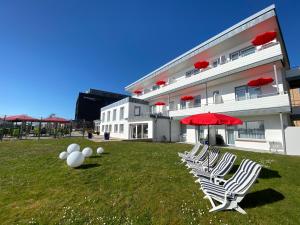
208, 148
40, 127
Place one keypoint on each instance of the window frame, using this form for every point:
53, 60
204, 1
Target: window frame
137, 108
249, 134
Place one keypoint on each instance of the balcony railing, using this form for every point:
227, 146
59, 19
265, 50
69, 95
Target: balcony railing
172, 81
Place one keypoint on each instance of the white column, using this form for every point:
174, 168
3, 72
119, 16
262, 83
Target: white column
282, 133
276, 77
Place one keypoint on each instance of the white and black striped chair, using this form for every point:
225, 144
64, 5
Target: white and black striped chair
209, 159
200, 157
234, 189
191, 153
218, 172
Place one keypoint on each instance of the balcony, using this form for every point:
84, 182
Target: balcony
266, 54
264, 104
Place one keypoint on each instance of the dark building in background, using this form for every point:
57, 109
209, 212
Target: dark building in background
88, 104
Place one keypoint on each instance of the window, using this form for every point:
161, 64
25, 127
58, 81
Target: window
197, 101
106, 128
182, 104
189, 73
252, 130
108, 116
121, 113
216, 62
216, 97
121, 128
246, 92
242, 52
171, 105
247, 51
109, 128
152, 109
114, 114
116, 128
201, 137
137, 110
155, 87
234, 55
103, 117
103, 128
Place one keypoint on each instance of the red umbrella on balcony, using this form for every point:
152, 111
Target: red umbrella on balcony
210, 119
201, 64
187, 98
260, 81
264, 38
21, 118
160, 103
160, 82
137, 92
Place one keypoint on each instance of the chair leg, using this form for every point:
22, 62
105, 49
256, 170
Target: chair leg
240, 210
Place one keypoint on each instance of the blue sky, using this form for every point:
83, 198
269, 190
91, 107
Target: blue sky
52, 49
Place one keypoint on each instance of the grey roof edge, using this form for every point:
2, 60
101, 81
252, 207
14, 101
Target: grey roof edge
263, 11
123, 101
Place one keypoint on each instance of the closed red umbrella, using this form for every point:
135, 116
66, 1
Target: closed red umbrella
264, 38
201, 64
159, 103
160, 82
21, 118
187, 98
210, 119
260, 81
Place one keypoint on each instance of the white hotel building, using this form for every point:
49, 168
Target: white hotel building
221, 88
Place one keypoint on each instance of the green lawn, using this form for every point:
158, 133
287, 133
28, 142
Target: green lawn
132, 183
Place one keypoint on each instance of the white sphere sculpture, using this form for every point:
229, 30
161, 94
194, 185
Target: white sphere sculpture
100, 150
87, 152
63, 155
75, 159
73, 148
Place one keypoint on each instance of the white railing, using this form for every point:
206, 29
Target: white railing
172, 81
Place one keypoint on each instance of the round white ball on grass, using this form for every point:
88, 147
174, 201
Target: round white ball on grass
100, 150
87, 152
63, 155
75, 159
73, 148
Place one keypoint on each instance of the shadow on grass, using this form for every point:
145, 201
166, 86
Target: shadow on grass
88, 166
95, 156
260, 198
265, 173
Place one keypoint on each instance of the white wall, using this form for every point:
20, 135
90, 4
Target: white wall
292, 135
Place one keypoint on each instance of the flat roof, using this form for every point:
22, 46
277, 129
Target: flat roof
211, 42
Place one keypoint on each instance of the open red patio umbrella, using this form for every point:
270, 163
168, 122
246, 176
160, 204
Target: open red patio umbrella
187, 98
160, 82
264, 38
21, 118
159, 103
55, 119
210, 119
260, 81
201, 64
137, 92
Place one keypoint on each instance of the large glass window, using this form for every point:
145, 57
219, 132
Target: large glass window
252, 130
103, 128
241, 53
197, 101
116, 128
121, 113
171, 105
115, 114
121, 128
200, 130
246, 92
108, 116
137, 110
103, 117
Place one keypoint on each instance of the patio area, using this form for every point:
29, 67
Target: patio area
133, 183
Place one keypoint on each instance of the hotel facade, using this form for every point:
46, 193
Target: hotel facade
214, 77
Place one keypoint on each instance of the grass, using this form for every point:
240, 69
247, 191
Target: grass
132, 183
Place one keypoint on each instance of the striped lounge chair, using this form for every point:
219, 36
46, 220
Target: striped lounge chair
234, 189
